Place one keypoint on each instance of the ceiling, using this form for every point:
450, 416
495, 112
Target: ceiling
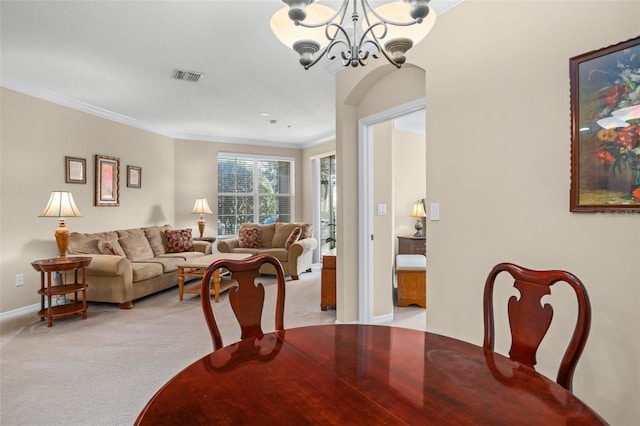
116, 59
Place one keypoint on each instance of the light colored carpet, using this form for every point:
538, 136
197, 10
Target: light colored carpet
102, 371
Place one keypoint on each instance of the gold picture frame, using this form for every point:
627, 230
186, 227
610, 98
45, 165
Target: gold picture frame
605, 127
75, 170
107, 181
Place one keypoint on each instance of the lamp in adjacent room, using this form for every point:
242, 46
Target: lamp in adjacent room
418, 212
201, 207
61, 205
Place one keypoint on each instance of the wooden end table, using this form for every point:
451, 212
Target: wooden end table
197, 267
47, 267
328, 281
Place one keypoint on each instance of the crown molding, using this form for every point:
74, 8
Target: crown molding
239, 141
58, 99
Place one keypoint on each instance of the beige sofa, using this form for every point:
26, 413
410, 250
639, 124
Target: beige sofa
132, 263
273, 238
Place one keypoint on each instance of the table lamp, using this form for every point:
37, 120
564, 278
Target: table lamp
201, 207
418, 212
61, 205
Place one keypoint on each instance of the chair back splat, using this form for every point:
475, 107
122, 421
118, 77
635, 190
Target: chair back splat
247, 298
529, 320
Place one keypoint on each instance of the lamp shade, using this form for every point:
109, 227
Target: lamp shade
201, 206
400, 13
61, 204
289, 33
418, 210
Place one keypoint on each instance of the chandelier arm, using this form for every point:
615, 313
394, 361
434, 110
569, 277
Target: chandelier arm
373, 36
376, 43
325, 51
339, 28
331, 55
389, 58
374, 39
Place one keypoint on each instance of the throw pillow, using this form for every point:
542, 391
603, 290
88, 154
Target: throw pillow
156, 238
249, 238
110, 247
293, 237
282, 232
81, 244
178, 240
136, 246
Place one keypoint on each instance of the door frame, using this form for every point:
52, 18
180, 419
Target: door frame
365, 203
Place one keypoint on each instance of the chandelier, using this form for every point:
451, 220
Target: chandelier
315, 31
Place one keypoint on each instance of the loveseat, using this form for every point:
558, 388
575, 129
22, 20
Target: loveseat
132, 263
291, 243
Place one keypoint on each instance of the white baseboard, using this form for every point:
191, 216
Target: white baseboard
383, 319
30, 309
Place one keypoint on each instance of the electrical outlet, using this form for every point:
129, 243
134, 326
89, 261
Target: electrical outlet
19, 280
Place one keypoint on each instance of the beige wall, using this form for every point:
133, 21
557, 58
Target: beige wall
35, 137
398, 181
383, 224
361, 92
409, 152
199, 178
498, 161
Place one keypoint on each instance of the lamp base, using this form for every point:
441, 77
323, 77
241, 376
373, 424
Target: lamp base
62, 239
418, 227
201, 224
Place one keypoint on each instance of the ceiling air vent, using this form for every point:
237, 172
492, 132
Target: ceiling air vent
187, 75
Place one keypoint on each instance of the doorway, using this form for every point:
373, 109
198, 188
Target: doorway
366, 232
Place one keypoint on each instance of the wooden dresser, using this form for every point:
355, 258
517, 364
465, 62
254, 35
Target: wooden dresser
328, 281
408, 244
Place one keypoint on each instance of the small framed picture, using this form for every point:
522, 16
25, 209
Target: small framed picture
75, 170
134, 177
107, 181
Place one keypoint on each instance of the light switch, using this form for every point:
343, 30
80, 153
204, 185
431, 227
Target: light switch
434, 213
382, 209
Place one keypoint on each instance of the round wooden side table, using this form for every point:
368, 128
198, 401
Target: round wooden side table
47, 288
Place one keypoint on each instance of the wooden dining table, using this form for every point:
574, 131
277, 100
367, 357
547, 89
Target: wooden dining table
361, 375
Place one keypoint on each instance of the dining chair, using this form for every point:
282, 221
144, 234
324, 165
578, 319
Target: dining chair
529, 320
246, 298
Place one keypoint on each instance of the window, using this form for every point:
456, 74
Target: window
253, 189
328, 203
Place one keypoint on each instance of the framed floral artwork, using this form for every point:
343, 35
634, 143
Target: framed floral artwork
134, 177
605, 129
75, 170
107, 181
